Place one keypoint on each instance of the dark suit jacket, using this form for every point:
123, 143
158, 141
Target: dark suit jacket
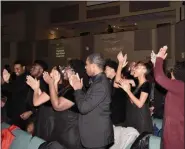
95, 126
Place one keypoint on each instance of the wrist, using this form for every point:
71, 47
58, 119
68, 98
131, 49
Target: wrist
120, 64
51, 83
36, 89
55, 83
128, 92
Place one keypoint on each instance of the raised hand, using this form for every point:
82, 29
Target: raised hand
76, 82
153, 57
162, 52
55, 75
122, 59
47, 78
33, 83
6, 76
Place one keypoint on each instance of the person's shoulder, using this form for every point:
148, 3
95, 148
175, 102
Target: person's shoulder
147, 84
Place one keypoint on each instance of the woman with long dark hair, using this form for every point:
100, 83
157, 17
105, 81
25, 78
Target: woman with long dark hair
66, 112
66, 124
138, 114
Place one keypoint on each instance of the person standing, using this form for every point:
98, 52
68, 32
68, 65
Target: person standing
95, 126
119, 98
18, 89
173, 134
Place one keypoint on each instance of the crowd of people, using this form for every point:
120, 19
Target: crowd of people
80, 105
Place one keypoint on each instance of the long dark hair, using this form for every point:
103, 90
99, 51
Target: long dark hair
79, 67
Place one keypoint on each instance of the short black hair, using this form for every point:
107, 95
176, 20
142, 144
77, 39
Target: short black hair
42, 64
97, 58
148, 66
112, 64
19, 62
179, 71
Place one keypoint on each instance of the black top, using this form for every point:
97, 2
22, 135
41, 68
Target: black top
16, 91
118, 104
68, 93
44, 115
140, 118
66, 130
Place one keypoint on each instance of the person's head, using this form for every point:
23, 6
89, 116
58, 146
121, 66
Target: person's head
125, 72
38, 68
94, 64
132, 67
76, 66
141, 70
19, 68
110, 69
60, 71
178, 72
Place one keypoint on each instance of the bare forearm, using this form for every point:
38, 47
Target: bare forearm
36, 96
118, 73
56, 87
53, 95
135, 100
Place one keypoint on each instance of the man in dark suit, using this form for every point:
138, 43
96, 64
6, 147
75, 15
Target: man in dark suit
95, 126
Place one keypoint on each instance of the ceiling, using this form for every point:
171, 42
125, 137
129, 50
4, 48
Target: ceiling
117, 23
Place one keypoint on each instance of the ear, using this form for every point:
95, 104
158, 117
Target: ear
24, 67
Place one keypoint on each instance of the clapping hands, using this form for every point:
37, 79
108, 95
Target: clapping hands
162, 54
47, 78
76, 82
33, 83
6, 76
122, 59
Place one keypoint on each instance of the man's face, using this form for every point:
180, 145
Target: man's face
89, 68
36, 70
109, 72
19, 69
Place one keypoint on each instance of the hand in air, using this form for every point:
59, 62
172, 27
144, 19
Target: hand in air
162, 52
47, 78
76, 82
6, 76
33, 83
122, 59
55, 75
153, 57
